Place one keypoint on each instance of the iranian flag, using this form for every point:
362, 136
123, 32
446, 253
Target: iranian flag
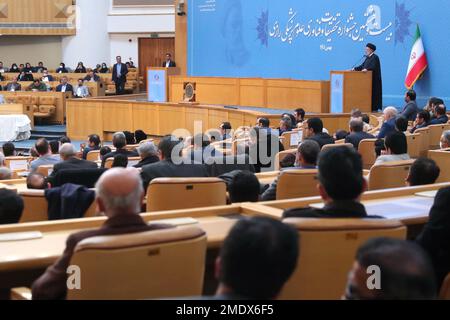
417, 61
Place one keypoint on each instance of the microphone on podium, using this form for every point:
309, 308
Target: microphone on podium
358, 62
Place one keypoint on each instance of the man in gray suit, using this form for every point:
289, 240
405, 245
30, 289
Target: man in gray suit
411, 109
13, 86
171, 165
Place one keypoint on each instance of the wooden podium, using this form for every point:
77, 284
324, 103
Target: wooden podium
158, 83
350, 90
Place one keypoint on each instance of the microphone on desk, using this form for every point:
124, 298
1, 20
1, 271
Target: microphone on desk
358, 62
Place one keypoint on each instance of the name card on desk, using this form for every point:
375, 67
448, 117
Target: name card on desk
20, 236
18, 165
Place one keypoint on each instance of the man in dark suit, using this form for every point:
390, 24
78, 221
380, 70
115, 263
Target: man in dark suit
372, 63
341, 184
119, 197
91, 76
435, 236
411, 109
169, 63
67, 153
46, 77
171, 164
119, 142
313, 130
388, 127
119, 75
357, 133
148, 153
64, 86
440, 115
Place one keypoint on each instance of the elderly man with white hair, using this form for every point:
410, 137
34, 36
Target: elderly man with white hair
445, 140
119, 142
67, 152
148, 153
119, 197
390, 115
5, 172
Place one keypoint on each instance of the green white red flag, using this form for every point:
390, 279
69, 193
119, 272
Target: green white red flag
418, 62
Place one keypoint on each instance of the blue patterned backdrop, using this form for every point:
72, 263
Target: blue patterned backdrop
307, 39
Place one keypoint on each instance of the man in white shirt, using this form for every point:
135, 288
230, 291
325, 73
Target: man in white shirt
64, 86
81, 90
169, 63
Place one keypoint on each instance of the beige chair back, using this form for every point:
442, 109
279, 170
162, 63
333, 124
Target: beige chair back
436, 133
445, 289
327, 252
442, 159
389, 175
280, 157
286, 139
339, 145
414, 145
18, 163
36, 207
131, 161
181, 193
93, 155
425, 140
154, 264
367, 151
45, 170
297, 184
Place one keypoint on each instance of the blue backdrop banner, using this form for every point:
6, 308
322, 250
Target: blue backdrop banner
307, 39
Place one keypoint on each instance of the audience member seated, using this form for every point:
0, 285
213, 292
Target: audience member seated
140, 135
358, 115
13, 86
357, 133
288, 161
119, 197
5, 173
28, 68
171, 164
423, 171
62, 68
404, 268
411, 109
225, 130
54, 147
104, 151
80, 68
64, 139
37, 85
148, 153
313, 130
36, 181
340, 135
129, 137
263, 123
104, 68
64, 86
285, 125
435, 236
201, 151
445, 140
119, 142
45, 156
92, 77
401, 125
23, 76
68, 154
257, 258
11, 207
46, 77
93, 145
389, 114
396, 148
40, 68
244, 186
299, 115
81, 91
367, 126
422, 121
9, 150
14, 68
440, 115
262, 148
306, 158
120, 161
431, 104
3, 69
341, 184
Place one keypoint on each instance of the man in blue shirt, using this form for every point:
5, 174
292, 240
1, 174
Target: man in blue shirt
45, 156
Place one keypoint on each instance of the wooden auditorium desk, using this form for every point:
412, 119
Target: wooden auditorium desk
96, 89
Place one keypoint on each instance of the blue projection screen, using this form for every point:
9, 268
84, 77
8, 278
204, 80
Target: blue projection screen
307, 39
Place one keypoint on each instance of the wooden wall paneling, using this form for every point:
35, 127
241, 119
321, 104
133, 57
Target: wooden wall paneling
84, 119
196, 120
117, 116
170, 119
145, 117
252, 92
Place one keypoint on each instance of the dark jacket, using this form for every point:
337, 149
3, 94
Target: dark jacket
73, 163
69, 88
387, 128
322, 139
146, 161
118, 151
62, 70
52, 284
83, 177
123, 73
172, 64
356, 137
441, 120
69, 201
337, 209
88, 78
410, 111
168, 169
435, 236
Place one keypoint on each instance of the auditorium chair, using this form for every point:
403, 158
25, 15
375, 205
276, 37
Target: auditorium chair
280, 157
34, 103
24, 100
18, 162
414, 145
327, 252
445, 289
93, 155
47, 107
166, 263
366, 149
36, 206
339, 145
442, 159
286, 139
297, 184
424, 140
182, 193
389, 175
131, 161
436, 133
45, 170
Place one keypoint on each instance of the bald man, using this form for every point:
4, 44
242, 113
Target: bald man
119, 197
68, 153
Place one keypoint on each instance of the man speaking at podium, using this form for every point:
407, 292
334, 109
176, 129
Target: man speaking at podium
372, 63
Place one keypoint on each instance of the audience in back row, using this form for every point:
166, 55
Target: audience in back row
423, 171
422, 121
440, 115
396, 148
45, 156
357, 133
69, 160
313, 130
119, 142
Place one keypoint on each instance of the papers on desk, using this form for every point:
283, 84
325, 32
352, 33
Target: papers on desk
176, 221
20, 236
18, 165
296, 138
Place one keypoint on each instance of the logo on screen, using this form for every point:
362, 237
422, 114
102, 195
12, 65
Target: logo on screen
156, 77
